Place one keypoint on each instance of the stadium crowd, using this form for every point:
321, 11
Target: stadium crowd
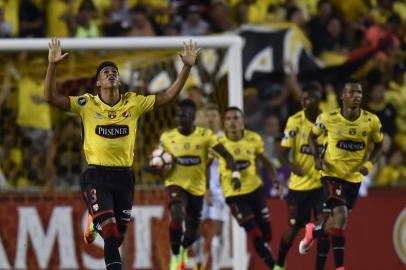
44, 152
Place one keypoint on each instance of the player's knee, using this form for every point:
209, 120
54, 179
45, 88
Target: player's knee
108, 226
340, 216
177, 213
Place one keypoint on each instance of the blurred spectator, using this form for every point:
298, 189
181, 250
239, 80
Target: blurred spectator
32, 19
252, 109
142, 25
377, 32
60, 18
317, 25
118, 19
6, 29
385, 111
392, 173
86, 25
66, 155
35, 130
221, 17
295, 15
194, 25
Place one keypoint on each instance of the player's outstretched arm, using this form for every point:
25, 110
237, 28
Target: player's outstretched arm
188, 56
50, 93
318, 160
271, 171
236, 175
365, 169
284, 158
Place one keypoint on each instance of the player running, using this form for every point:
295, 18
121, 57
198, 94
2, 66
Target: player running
305, 193
350, 131
109, 128
246, 198
186, 182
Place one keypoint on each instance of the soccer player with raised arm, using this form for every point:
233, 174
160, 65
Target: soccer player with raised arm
305, 193
346, 161
246, 198
109, 122
186, 182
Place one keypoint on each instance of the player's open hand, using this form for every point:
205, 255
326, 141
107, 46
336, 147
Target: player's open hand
189, 53
55, 53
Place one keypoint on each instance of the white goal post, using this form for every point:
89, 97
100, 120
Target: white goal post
232, 43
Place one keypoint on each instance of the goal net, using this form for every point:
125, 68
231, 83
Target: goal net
43, 148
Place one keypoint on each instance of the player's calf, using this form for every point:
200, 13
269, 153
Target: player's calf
110, 236
261, 247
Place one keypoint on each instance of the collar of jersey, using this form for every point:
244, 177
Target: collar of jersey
99, 100
345, 119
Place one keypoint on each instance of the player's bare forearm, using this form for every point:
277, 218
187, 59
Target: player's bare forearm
284, 158
173, 91
219, 148
314, 149
50, 93
270, 169
376, 152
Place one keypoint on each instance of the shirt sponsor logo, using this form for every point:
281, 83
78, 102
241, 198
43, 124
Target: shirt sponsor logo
188, 160
350, 145
305, 149
242, 164
112, 131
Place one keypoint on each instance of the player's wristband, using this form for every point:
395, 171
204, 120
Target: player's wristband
236, 174
368, 165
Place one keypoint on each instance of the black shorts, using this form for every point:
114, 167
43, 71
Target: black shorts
301, 204
338, 192
249, 206
109, 190
192, 204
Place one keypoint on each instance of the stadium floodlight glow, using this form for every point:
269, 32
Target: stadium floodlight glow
232, 43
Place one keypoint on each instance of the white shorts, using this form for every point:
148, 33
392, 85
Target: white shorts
217, 211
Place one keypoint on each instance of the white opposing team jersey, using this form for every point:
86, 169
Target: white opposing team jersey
215, 185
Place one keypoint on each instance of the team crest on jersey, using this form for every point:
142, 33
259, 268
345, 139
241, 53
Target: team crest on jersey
186, 146
126, 114
237, 151
352, 131
98, 116
82, 101
112, 114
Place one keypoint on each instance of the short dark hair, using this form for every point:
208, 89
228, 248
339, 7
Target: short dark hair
233, 108
187, 103
312, 87
103, 65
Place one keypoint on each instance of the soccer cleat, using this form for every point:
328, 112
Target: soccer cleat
174, 264
277, 267
308, 239
183, 258
90, 232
